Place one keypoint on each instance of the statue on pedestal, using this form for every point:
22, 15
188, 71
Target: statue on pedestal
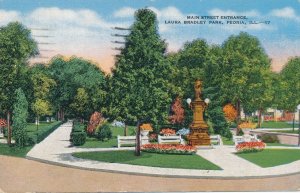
198, 129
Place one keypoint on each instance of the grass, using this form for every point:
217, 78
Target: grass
227, 141
272, 157
95, 143
150, 159
274, 124
44, 128
14, 151
286, 131
279, 144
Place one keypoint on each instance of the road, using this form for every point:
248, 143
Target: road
22, 175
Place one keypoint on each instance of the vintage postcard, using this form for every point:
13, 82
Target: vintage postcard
149, 95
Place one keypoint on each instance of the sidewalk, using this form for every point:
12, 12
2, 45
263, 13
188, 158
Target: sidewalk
56, 149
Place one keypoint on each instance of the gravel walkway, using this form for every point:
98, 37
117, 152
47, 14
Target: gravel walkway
56, 149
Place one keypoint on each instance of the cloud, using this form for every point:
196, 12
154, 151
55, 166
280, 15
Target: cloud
286, 12
9, 16
124, 12
57, 16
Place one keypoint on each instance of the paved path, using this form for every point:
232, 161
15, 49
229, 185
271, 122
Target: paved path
56, 149
22, 175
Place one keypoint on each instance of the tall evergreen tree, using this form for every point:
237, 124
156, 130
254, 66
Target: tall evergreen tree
139, 90
20, 113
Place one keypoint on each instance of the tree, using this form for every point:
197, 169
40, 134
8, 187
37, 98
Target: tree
177, 111
289, 76
80, 103
230, 112
290, 86
245, 63
41, 107
20, 113
16, 47
138, 90
71, 74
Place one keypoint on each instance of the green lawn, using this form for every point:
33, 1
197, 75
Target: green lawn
286, 131
13, 151
279, 144
227, 141
44, 130
272, 157
95, 143
150, 159
274, 124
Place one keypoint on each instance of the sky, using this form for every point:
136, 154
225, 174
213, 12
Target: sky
84, 27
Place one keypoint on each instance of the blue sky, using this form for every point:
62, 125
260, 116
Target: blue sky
83, 27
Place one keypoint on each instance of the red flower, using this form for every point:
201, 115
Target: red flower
250, 146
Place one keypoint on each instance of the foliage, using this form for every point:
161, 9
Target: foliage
20, 113
247, 147
177, 111
96, 120
245, 68
78, 138
138, 88
270, 138
169, 149
104, 133
42, 107
230, 112
247, 125
72, 74
16, 47
290, 85
80, 102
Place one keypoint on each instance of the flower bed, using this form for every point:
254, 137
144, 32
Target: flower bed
246, 147
169, 149
168, 131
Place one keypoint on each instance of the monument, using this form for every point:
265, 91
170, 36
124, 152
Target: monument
199, 135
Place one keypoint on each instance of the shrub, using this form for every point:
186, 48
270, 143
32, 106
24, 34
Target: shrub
104, 133
247, 147
78, 138
169, 149
153, 137
270, 138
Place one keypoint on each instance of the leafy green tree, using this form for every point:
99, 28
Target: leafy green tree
77, 73
289, 76
20, 113
244, 61
138, 89
41, 107
189, 64
80, 103
16, 47
288, 87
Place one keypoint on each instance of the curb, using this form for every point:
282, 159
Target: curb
157, 175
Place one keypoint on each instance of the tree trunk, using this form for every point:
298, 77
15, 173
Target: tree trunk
8, 129
138, 140
259, 118
125, 130
238, 118
294, 122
